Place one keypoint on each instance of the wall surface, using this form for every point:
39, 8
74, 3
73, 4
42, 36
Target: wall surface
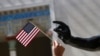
83, 17
41, 46
4, 51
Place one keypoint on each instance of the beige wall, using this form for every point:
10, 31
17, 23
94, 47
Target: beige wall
83, 17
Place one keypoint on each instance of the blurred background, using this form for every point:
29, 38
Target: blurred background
14, 14
83, 18
81, 15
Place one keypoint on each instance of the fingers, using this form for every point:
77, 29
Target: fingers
56, 44
60, 27
49, 33
59, 22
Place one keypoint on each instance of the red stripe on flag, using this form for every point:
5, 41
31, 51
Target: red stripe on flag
28, 35
31, 38
23, 37
19, 34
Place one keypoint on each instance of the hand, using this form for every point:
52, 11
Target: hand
62, 30
58, 49
49, 33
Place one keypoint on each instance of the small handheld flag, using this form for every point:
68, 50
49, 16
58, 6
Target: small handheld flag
28, 33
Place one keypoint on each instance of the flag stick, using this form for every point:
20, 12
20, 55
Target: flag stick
42, 32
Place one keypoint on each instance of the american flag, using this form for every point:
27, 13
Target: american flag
28, 32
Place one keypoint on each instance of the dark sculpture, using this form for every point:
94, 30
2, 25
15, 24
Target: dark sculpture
64, 33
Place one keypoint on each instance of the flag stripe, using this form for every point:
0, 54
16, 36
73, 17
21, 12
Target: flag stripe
23, 37
19, 34
31, 38
28, 35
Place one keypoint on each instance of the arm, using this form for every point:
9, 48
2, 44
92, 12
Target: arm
64, 34
58, 49
87, 43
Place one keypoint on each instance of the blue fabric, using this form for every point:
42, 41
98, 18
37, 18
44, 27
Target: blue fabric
25, 15
28, 27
